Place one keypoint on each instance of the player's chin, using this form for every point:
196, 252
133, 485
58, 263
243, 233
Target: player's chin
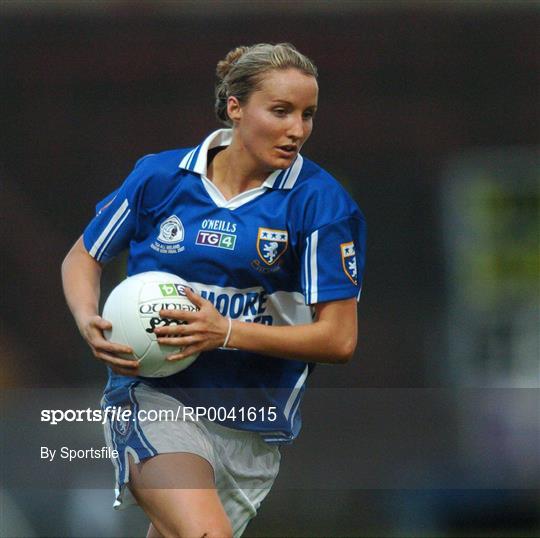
280, 162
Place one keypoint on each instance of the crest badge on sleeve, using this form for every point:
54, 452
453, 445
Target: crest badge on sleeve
271, 244
348, 260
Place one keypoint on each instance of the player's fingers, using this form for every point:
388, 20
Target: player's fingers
182, 315
113, 360
100, 344
170, 341
171, 330
186, 352
195, 298
180, 341
178, 330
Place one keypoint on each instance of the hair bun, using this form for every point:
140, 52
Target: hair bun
224, 66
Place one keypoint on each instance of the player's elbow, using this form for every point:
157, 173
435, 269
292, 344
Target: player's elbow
345, 351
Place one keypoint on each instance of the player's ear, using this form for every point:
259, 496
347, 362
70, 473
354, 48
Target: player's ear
234, 109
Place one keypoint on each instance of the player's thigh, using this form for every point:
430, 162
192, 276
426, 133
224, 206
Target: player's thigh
177, 492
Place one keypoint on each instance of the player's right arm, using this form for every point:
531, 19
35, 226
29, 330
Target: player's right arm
107, 234
81, 277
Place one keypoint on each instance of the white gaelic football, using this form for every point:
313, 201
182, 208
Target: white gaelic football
133, 310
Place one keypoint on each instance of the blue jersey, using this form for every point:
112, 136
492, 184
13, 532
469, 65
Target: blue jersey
265, 256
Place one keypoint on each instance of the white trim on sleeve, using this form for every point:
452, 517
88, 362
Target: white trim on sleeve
116, 221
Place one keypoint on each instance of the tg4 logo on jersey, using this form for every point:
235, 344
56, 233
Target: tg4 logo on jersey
348, 261
171, 234
217, 233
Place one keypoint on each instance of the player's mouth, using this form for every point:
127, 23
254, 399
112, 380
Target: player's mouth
288, 151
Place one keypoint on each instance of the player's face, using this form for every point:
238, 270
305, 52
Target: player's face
277, 119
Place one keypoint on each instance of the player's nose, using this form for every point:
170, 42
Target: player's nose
296, 128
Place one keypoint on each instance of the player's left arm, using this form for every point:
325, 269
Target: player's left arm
331, 338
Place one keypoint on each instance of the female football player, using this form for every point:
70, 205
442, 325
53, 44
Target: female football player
274, 248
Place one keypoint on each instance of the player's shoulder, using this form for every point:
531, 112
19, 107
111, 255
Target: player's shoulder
314, 179
155, 175
164, 162
318, 191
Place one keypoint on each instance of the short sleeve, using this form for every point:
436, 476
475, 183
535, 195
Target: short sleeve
114, 225
333, 260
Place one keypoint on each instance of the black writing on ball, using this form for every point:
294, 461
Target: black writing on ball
162, 322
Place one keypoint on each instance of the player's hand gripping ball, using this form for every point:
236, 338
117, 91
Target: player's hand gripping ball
133, 310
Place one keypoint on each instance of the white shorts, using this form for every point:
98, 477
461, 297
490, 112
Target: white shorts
245, 467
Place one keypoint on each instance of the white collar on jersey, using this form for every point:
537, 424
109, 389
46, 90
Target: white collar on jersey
196, 161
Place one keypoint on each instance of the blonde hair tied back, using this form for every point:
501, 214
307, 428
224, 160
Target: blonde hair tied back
239, 73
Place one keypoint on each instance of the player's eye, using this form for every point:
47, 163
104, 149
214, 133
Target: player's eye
279, 111
308, 114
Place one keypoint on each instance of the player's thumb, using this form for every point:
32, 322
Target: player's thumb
103, 324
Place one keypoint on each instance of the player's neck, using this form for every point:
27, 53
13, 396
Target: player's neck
233, 172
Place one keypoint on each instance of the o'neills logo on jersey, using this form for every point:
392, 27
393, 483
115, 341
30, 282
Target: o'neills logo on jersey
271, 244
171, 234
217, 233
348, 260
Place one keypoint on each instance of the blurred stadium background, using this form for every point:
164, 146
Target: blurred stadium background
429, 114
